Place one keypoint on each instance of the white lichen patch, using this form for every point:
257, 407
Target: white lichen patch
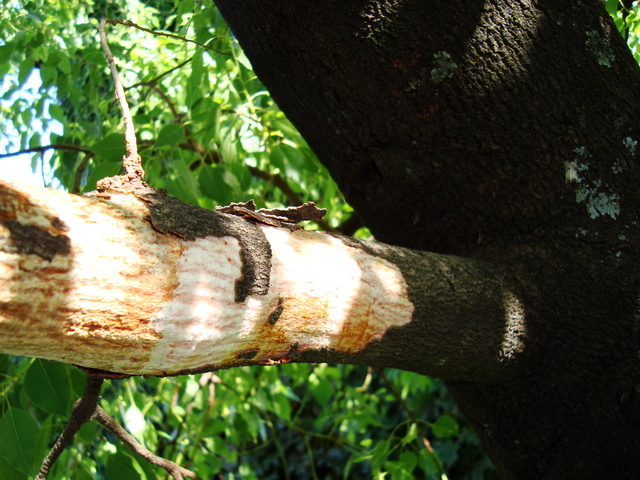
631, 145
322, 294
598, 201
601, 48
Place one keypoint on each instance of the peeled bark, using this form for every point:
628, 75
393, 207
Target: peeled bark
147, 285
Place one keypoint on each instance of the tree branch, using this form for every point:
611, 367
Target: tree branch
83, 410
190, 290
54, 146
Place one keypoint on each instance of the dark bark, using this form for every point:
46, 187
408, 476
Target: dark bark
502, 130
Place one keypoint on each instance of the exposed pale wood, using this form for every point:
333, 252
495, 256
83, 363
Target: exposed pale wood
95, 282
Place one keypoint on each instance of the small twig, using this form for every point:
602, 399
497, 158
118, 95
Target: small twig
175, 470
131, 162
165, 97
82, 412
154, 81
129, 23
86, 409
55, 146
80, 172
88, 155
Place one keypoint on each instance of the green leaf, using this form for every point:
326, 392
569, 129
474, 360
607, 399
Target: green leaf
56, 112
409, 460
445, 427
18, 438
45, 429
379, 455
194, 83
110, 148
47, 385
282, 407
411, 434
82, 472
24, 70
322, 391
171, 134
5, 52
8, 471
123, 467
212, 185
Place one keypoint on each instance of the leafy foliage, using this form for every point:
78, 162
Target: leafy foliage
210, 134
626, 17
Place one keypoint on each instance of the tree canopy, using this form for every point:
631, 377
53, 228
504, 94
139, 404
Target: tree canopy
210, 134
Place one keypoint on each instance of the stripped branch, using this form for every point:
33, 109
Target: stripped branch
132, 161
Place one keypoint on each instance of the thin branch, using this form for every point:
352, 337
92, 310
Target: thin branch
129, 23
165, 97
80, 172
82, 412
132, 161
86, 409
55, 146
154, 81
175, 470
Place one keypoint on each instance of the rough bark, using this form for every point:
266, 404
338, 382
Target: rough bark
148, 285
496, 130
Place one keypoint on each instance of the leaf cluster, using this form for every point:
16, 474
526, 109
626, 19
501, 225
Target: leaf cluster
291, 421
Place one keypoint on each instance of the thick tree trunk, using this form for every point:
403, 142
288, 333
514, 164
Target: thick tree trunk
148, 285
497, 130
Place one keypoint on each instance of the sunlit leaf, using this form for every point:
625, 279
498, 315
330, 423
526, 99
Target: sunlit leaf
171, 134
111, 148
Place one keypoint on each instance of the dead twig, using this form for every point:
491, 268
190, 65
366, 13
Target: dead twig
129, 23
131, 162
